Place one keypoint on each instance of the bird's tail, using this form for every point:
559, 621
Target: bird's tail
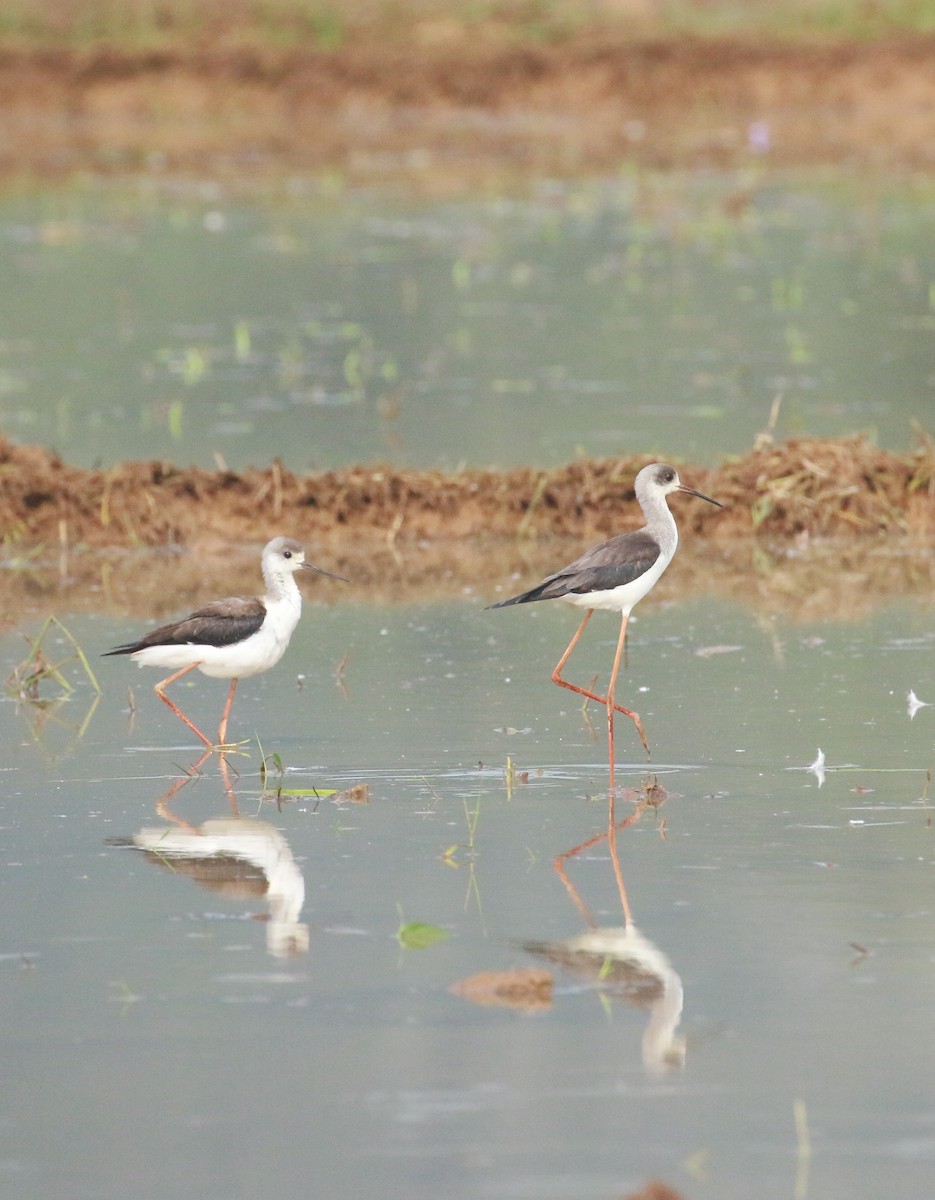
540, 592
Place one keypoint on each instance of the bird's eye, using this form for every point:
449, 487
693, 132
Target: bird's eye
287, 553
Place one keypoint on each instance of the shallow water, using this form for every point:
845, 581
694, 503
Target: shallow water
326, 326
175, 1028
161, 1045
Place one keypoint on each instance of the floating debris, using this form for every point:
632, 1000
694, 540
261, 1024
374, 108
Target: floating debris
528, 989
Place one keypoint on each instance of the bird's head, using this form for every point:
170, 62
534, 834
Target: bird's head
659, 479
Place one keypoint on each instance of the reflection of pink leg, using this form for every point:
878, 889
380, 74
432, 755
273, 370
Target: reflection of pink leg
229, 785
558, 865
162, 803
222, 728
159, 689
618, 874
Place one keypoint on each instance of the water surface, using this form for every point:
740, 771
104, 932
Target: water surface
173, 1028
328, 326
157, 1043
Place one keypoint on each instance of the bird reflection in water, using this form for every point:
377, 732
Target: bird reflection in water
620, 960
238, 857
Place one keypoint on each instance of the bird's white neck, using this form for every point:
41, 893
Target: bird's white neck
283, 604
281, 586
661, 525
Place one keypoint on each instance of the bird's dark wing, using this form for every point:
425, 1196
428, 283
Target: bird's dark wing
220, 623
610, 564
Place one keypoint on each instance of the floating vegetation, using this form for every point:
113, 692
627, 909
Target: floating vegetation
419, 935
40, 682
528, 989
39, 667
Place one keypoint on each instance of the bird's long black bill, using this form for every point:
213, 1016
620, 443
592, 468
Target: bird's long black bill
322, 571
701, 496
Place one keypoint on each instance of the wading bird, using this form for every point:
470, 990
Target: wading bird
615, 575
231, 638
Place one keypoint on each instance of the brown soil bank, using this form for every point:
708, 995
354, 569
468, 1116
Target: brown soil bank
812, 528
438, 105
802, 488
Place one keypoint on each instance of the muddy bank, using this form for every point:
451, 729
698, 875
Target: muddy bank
802, 488
816, 527
442, 106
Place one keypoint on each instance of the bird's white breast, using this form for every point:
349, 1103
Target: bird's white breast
622, 599
261, 650
257, 653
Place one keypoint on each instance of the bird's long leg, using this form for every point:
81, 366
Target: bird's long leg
159, 689
611, 706
222, 728
573, 687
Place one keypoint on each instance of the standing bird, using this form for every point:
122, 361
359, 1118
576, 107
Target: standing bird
615, 575
232, 638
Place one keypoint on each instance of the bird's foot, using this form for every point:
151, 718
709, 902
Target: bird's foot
223, 746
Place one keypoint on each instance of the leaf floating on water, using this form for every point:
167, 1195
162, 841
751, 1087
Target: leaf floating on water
708, 651
313, 793
419, 935
528, 989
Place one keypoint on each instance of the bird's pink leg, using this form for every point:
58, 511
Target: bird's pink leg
159, 689
573, 687
611, 706
222, 728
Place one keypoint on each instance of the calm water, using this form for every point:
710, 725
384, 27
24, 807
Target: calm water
325, 326
155, 1044
159, 1039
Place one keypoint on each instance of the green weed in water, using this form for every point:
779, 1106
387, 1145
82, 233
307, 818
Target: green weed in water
26, 678
418, 935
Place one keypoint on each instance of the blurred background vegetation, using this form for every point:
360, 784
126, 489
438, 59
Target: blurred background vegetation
186, 26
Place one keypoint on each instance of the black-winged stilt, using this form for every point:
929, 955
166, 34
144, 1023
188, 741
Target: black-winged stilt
231, 638
615, 575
